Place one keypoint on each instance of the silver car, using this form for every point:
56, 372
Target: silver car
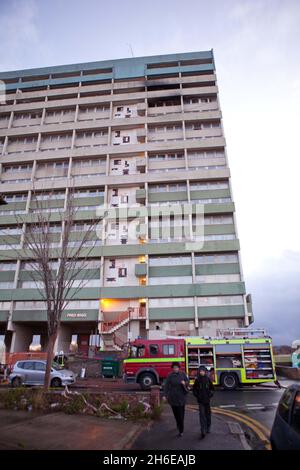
32, 372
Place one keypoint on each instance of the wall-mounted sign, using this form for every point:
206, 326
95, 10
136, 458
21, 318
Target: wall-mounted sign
76, 315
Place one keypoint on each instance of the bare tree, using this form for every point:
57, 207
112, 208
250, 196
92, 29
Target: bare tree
56, 287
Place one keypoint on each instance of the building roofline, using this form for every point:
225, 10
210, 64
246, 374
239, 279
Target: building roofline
124, 62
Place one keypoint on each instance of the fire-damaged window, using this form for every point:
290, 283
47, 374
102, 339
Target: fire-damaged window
122, 272
124, 199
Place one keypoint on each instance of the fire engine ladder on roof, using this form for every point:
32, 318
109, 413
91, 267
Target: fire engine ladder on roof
242, 333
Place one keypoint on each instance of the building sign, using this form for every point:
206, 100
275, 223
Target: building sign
76, 315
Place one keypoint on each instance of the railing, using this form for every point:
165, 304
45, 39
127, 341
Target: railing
11, 358
120, 340
134, 313
242, 332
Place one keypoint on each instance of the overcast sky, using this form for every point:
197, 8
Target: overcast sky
257, 52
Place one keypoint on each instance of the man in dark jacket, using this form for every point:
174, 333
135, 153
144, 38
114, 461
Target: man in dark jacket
203, 390
175, 391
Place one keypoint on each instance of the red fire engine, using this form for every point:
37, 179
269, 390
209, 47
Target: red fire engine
240, 356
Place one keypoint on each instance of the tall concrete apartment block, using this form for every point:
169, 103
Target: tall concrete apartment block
140, 133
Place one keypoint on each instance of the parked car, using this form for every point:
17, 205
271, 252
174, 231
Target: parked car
285, 432
33, 373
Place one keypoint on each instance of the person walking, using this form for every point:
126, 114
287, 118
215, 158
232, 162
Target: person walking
203, 390
175, 392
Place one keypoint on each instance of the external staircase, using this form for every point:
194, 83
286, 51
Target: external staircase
113, 338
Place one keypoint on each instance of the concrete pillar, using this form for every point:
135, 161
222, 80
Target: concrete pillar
21, 338
134, 329
44, 342
63, 339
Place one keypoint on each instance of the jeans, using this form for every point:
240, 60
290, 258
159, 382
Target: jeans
205, 417
178, 412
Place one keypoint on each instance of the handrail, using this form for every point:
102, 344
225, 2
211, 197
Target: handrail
132, 313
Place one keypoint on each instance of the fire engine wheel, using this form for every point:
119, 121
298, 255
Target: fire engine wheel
16, 382
146, 380
229, 381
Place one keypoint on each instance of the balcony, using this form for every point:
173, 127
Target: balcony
161, 110
140, 269
140, 195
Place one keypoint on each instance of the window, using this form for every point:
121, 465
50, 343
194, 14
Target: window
124, 199
295, 423
112, 263
28, 365
120, 108
169, 349
126, 139
141, 351
285, 405
40, 366
153, 349
117, 133
122, 272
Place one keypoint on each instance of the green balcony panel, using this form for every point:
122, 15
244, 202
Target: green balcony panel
168, 196
218, 229
225, 268
222, 311
218, 208
29, 316
209, 193
140, 269
173, 290
7, 276
7, 239
127, 292
29, 275
13, 206
174, 313
186, 68
45, 204
92, 235
165, 271
89, 201
139, 249
140, 194
4, 314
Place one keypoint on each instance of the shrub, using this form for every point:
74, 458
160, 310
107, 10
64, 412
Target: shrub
39, 399
74, 405
121, 407
12, 398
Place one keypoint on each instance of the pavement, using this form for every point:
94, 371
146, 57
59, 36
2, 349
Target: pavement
225, 434
22, 430
240, 418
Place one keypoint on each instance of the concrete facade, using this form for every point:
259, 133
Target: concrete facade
141, 134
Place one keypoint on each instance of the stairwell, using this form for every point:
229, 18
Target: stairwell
113, 338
